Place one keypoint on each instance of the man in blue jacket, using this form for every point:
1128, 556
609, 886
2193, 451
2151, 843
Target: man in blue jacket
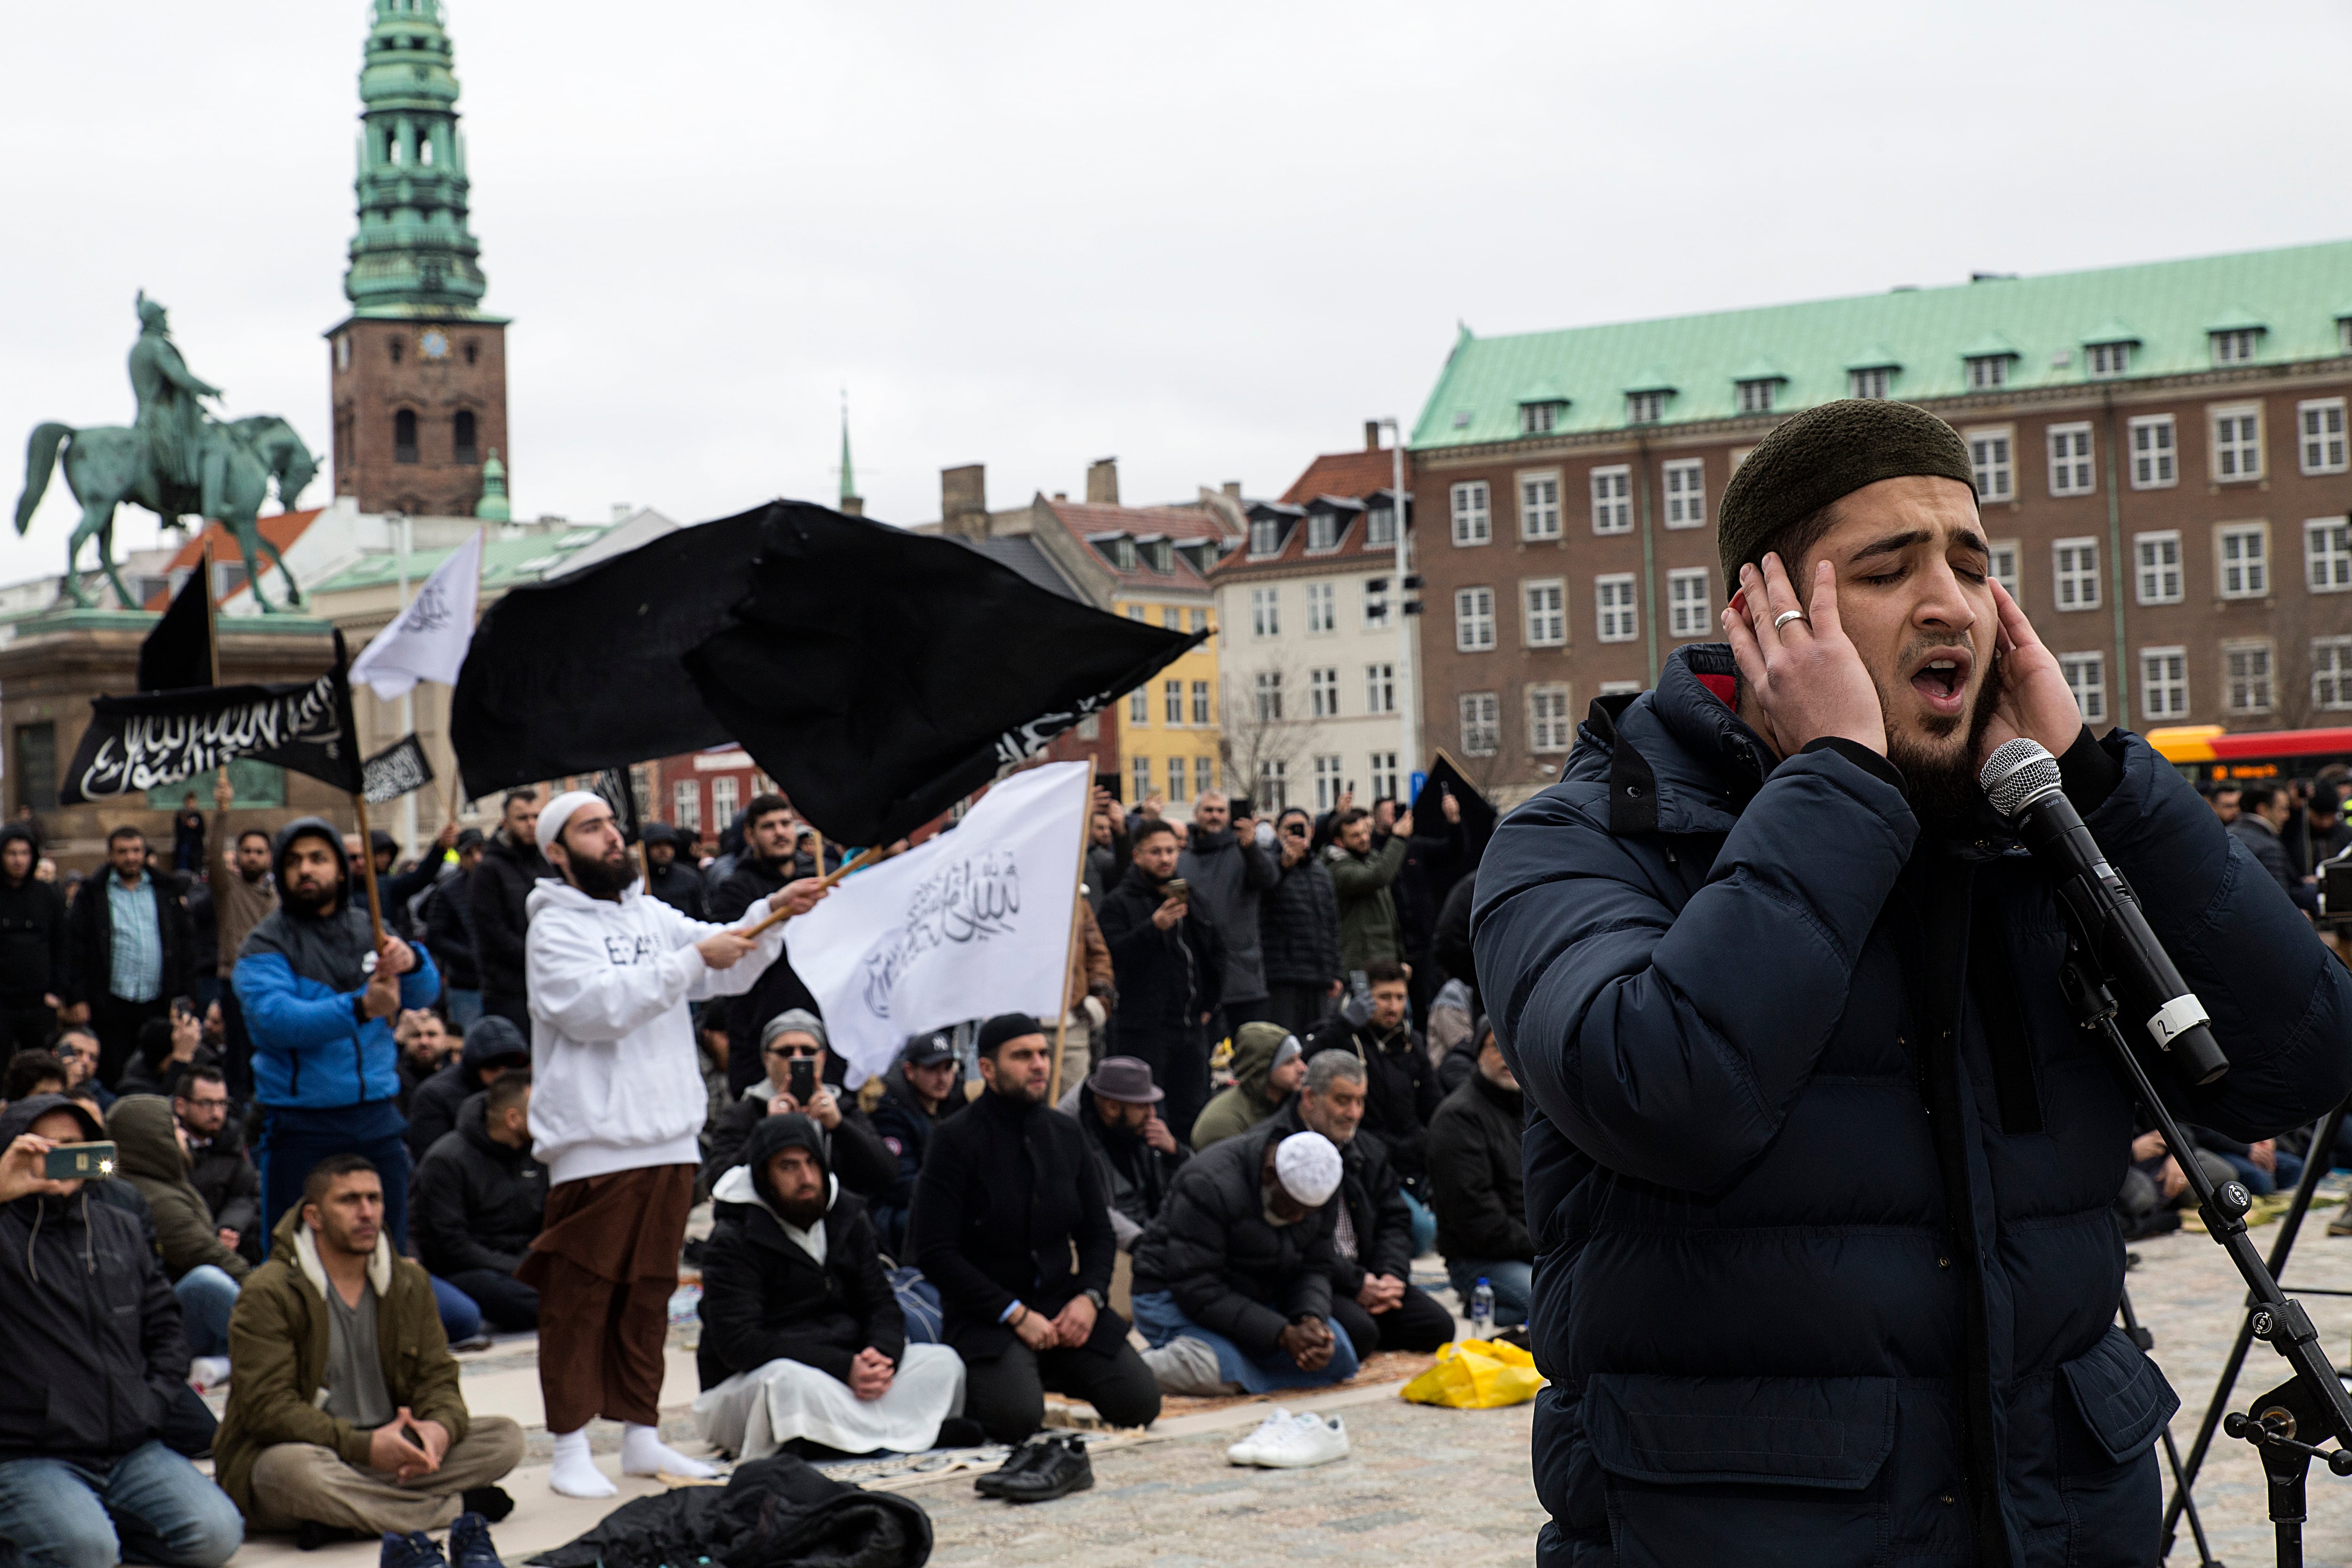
319, 1002
1818, 1165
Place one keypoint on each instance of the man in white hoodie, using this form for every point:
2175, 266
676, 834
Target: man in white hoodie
617, 1104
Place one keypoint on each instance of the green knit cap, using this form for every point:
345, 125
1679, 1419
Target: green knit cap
1824, 454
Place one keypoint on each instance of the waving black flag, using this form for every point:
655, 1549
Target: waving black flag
1464, 849
178, 652
878, 676
136, 743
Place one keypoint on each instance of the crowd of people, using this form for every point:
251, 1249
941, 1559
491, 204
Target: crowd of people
354, 1141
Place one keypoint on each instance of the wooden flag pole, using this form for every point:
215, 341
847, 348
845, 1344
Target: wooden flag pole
872, 857
1070, 942
367, 870
211, 612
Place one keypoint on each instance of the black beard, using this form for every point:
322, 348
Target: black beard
1943, 784
601, 879
313, 904
804, 1213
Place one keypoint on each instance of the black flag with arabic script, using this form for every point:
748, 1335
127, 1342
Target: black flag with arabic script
395, 770
137, 743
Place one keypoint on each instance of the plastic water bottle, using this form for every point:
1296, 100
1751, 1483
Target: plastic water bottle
1482, 1310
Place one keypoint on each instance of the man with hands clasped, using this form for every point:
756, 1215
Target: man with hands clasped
1819, 1165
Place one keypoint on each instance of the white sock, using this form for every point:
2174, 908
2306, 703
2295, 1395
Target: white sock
643, 1453
575, 1473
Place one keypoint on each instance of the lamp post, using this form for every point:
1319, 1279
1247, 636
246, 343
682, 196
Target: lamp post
1408, 689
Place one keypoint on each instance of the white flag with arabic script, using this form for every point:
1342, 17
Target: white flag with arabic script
428, 640
972, 923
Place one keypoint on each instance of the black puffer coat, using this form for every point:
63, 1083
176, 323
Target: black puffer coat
1779, 1302
1375, 1205
765, 1297
1230, 1270
1476, 1184
478, 1203
1299, 926
91, 1358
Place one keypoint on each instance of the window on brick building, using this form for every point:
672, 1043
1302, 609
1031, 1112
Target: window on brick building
404, 435
685, 805
2105, 360
461, 437
1473, 523
2076, 565
2320, 427
1612, 608
2327, 555
1545, 604
2071, 473
2331, 673
1481, 724
2005, 565
1689, 603
1548, 728
1870, 381
1756, 396
2086, 677
2159, 566
2237, 443
1989, 459
1539, 506
1613, 502
2235, 346
1685, 488
2164, 682
2246, 677
2152, 465
2244, 560
1474, 619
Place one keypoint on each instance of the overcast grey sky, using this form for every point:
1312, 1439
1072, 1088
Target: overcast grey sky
1211, 239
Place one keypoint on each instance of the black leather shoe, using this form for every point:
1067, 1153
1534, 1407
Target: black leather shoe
1064, 1469
1020, 1459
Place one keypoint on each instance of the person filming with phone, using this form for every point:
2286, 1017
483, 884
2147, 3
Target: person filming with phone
793, 1059
1811, 1125
1169, 961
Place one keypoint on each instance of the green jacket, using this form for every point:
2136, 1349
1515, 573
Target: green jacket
1369, 930
1243, 1104
148, 1154
278, 1342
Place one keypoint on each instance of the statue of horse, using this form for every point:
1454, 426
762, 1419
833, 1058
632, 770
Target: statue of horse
109, 465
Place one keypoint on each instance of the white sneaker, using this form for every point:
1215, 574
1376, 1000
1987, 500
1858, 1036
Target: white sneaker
1245, 1451
208, 1372
1307, 1441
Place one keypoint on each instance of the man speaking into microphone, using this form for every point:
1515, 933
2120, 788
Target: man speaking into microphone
1820, 1164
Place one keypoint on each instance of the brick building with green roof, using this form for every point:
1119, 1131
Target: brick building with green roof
2160, 453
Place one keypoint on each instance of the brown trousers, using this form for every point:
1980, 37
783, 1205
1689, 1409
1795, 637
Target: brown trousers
605, 1267
297, 1481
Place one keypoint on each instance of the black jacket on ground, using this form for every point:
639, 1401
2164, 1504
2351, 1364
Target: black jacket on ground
1376, 1206
764, 1297
905, 1129
91, 1357
227, 1180
90, 928
854, 1151
1230, 1270
495, 897
432, 1108
1006, 1196
1733, 987
34, 950
449, 931
1475, 1186
1299, 926
776, 1512
476, 1204
1167, 979
778, 989
1401, 1088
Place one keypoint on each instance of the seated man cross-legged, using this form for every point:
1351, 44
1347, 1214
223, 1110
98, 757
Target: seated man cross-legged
1476, 1178
344, 1413
1233, 1281
802, 1335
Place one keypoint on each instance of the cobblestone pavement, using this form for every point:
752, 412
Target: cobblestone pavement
1420, 1486
2189, 1296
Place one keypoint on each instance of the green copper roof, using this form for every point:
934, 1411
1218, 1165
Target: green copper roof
849, 474
2166, 308
414, 255
505, 562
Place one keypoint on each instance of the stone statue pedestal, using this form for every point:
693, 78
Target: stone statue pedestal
53, 663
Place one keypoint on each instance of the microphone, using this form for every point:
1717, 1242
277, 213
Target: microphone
2021, 778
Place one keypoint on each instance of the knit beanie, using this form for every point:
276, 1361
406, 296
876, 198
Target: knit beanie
1825, 453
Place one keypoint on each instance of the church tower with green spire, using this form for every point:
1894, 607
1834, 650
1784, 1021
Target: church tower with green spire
418, 368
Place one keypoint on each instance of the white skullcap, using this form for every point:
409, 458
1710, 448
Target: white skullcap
1307, 1166
558, 812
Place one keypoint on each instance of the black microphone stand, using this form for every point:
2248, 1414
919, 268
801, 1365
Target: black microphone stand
2288, 1423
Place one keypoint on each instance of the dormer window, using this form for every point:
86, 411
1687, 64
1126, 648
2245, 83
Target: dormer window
1322, 531
1537, 419
1161, 555
2344, 333
2107, 359
1756, 396
1644, 408
2234, 345
1870, 381
1122, 553
1379, 524
1266, 535
1987, 371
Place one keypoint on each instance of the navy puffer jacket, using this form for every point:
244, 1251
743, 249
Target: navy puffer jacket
1787, 1311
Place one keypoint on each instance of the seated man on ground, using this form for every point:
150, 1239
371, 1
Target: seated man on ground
205, 1272
168, 1048
91, 1365
1475, 1182
1013, 1225
1401, 1087
78, 1049
480, 1199
424, 1043
493, 1048
1233, 1281
344, 1413
1372, 1293
801, 1336
31, 1073
1135, 1155
1267, 1063
854, 1152
217, 1167
923, 1088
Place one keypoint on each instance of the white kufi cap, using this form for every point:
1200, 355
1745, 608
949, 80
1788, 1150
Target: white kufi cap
1307, 1166
557, 812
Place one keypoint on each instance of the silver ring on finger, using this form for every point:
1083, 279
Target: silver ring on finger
1785, 616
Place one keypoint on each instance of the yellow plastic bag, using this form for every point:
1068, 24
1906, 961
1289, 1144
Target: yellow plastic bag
1477, 1375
